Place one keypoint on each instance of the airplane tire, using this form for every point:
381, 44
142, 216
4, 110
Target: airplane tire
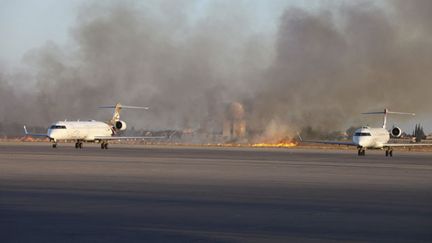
80, 145
391, 153
106, 146
387, 153
102, 145
76, 145
54, 145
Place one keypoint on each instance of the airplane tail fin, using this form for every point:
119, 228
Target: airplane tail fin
386, 112
118, 107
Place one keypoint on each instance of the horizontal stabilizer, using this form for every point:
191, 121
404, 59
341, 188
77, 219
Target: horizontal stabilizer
118, 107
386, 112
389, 112
125, 106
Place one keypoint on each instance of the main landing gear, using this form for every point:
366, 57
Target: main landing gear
104, 145
389, 152
78, 144
54, 145
361, 151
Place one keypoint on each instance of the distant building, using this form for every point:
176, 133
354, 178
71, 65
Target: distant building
234, 123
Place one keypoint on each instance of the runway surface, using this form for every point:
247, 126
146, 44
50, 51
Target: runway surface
177, 194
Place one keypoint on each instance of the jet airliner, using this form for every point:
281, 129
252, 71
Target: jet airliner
89, 131
374, 138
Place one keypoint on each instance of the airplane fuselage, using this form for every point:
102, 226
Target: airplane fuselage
78, 130
91, 130
375, 138
371, 138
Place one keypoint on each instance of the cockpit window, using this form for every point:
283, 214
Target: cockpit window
361, 134
58, 127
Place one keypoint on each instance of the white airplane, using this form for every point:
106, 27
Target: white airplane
374, 138
89, 131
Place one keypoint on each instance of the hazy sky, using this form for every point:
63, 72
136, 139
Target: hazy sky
27, 24
284, 54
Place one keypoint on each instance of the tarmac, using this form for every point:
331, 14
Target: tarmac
201, 194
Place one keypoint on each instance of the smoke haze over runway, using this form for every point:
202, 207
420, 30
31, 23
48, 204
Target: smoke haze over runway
320, 68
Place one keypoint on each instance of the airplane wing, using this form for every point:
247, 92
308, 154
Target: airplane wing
406, 144
34, 134
326, 142
330, 142
125, 138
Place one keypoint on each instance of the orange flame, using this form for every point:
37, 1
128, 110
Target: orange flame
281, 144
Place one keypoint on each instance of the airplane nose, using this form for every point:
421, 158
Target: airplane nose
363, 142
51, 134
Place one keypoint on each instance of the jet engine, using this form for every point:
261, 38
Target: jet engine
120, 125
396, 132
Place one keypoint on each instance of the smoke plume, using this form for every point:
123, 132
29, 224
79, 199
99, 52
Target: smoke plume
320, 69
332, 65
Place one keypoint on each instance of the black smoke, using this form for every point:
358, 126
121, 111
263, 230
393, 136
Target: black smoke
322, 68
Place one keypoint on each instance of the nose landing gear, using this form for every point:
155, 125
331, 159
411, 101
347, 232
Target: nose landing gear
104, 145
54, 145
361, 151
